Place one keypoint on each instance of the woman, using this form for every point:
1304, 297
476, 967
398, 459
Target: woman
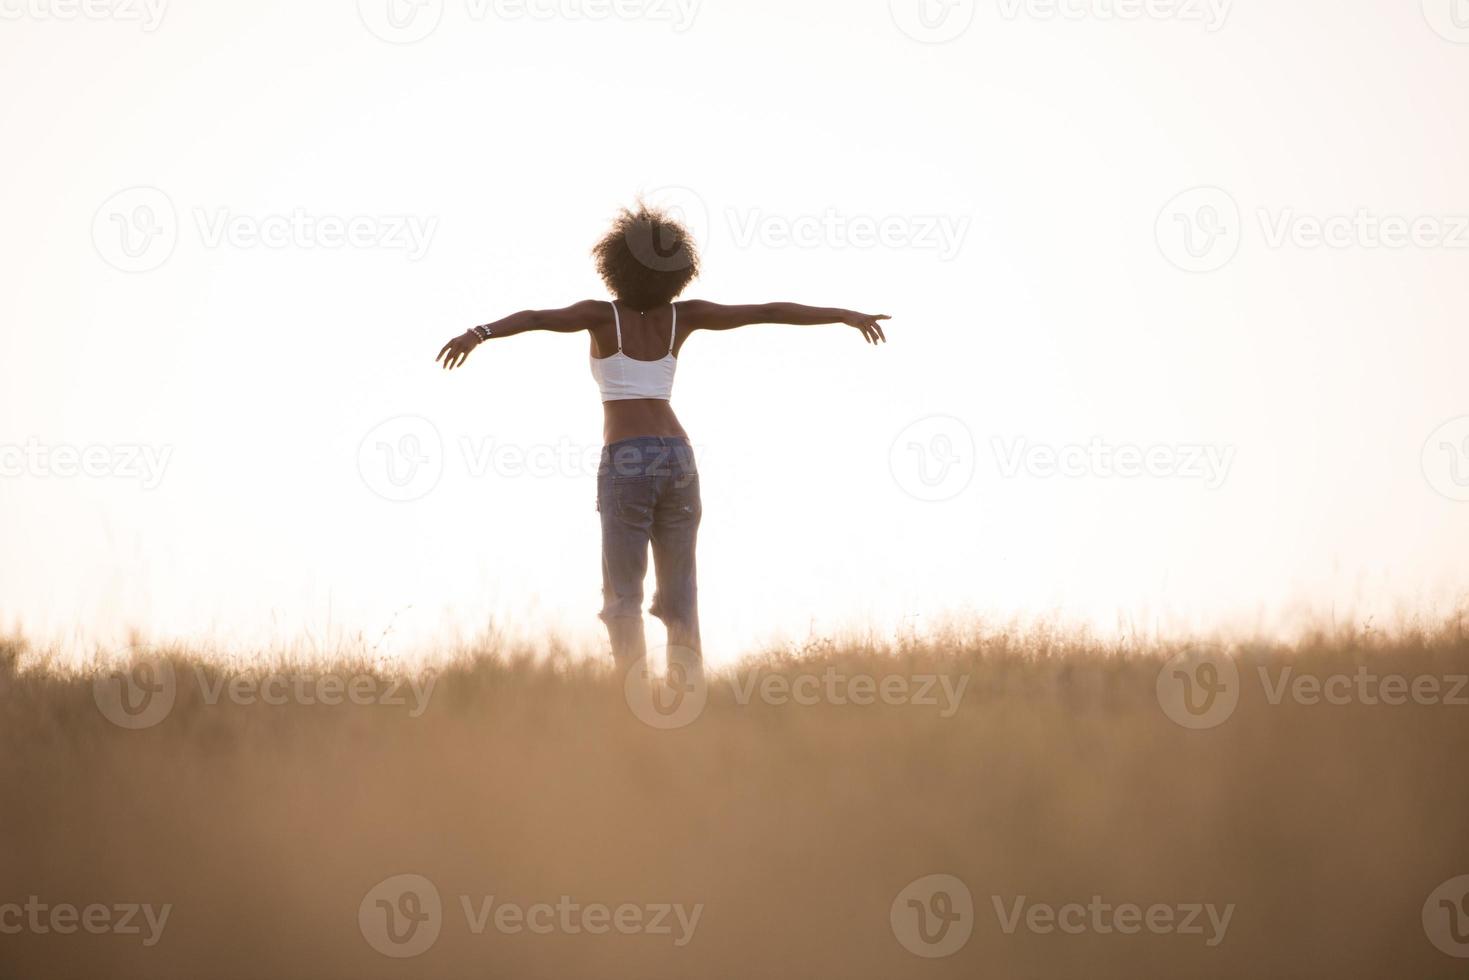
648, 485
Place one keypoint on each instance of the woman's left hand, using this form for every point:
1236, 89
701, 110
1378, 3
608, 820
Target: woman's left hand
869, 324
456, 351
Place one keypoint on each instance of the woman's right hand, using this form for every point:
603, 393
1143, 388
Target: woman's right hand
869, 325
456, 351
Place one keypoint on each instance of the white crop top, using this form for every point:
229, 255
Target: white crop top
624, 378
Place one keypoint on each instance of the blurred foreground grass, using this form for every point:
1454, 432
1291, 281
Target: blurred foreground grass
792, 812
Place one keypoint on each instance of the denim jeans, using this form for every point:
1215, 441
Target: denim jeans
648, 494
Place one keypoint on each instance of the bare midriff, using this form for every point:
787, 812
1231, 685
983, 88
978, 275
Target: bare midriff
639, 417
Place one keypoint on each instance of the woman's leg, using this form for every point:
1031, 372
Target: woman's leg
626, 505
674, 535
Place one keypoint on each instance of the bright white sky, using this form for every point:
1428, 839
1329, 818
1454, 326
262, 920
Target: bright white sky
1024, 178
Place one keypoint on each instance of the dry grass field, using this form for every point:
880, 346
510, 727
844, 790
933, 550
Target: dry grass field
185, 821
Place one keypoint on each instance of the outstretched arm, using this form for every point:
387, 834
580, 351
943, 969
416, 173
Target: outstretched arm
701, 315
571, 319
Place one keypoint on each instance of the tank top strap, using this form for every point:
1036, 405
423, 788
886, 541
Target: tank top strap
617, 319
673, 337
